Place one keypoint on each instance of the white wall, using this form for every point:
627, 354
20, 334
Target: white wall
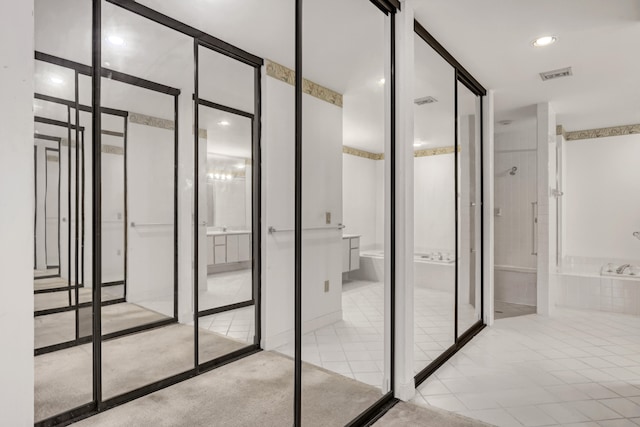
230, 203
434, 204
16, 222
50, 211
41, 200
277, 249
150, 152
112, 214
360, 192
602, 184
322, 192
546, 219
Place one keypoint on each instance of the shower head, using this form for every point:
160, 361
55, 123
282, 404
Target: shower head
513, 170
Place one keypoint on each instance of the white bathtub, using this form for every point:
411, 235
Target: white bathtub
583, 283
428, 272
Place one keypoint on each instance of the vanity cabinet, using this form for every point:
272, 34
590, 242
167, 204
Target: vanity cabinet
226, 249
350, 253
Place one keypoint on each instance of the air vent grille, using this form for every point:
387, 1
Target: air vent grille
425, 100
556, 74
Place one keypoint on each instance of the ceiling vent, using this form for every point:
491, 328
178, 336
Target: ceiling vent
556, 74
425, 100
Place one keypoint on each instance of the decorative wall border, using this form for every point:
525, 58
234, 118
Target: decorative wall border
106, 148
157, 122
362, 153
287, 75
598, 132
436, 151
112, 149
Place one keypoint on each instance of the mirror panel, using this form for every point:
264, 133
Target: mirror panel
470, 244
226, 279
63, 363
146, 63
434, 205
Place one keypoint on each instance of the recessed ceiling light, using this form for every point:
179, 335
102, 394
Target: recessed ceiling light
418, 144
107, 63
223, 123
115, 40
544, 41
381, 81
229, 176
57, 80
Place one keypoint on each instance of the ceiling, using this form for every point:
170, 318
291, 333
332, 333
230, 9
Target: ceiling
345, 51
600, 39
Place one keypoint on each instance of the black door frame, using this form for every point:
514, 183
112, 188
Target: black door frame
46, 191
256, 176
255, 237
368, 416
463, 76
96, 71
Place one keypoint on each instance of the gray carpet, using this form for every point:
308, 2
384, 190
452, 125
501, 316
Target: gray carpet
63, 379
254, 391
47, 272
60, 327
408, 414
60, 299
52, 282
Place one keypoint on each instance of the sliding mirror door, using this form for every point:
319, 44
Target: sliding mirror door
345, 260
469, 206
434, 205
448, 205
228, 280
63, 364
144, 64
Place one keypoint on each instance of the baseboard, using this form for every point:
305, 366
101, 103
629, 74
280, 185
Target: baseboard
406, 391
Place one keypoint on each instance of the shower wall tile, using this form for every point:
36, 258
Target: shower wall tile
513, 197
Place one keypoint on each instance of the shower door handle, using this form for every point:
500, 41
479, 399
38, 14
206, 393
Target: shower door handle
534, 228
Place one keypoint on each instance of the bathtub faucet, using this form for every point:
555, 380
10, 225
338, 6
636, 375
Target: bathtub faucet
622, 268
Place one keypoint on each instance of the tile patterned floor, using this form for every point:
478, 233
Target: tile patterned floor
577, 368
354, 346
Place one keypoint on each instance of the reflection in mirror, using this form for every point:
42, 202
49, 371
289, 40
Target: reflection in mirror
434, 205
226, 281
229, 213
139, 203
344, 147
63, 365
469, 242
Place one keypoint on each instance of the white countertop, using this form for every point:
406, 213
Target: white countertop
350, 236
227, 233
